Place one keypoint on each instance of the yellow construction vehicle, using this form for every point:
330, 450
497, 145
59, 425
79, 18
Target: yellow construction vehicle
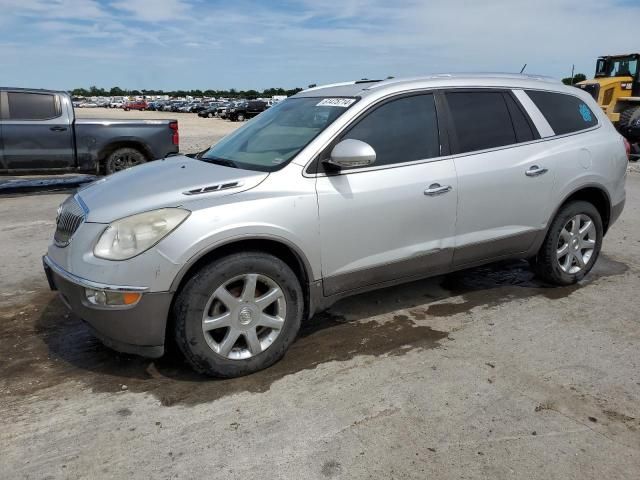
616, 88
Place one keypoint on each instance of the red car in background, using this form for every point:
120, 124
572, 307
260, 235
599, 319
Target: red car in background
137, 105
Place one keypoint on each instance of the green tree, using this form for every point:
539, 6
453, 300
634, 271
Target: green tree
578, 77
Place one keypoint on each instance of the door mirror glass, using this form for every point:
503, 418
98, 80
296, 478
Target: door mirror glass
351, 153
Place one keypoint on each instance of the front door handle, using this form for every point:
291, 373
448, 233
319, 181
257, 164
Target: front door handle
437, 189
535, 170
58, 129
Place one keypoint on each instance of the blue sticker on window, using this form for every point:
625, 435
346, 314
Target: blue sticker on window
585, 112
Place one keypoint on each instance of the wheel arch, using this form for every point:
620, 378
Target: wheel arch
276, 246
596, 195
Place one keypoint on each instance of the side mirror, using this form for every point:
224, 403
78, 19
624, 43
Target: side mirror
352, 153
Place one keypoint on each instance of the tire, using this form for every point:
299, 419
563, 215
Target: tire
628, 116
215, 352
123, 158
568, 269
209, 115
126, 109
240, 117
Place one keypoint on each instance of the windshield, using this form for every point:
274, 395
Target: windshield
278, 134
617, 67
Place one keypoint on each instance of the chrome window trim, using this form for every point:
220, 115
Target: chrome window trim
539, 120
83, 282
446, 157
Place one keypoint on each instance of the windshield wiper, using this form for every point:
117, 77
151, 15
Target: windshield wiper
220, 161
200, 154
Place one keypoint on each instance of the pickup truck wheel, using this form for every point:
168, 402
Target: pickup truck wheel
238, 315
572, 245
123, 158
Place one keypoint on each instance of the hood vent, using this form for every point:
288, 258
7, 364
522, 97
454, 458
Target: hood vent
213, 188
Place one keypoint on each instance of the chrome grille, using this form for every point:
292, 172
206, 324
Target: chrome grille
70, 217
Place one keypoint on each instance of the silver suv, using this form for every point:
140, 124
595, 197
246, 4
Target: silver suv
337, 190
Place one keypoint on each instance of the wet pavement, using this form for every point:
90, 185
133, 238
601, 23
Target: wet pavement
43, 344
484, 373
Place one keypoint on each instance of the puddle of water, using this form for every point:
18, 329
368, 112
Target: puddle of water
45, 347
42, 345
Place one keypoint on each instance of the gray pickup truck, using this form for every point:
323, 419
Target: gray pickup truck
39, 133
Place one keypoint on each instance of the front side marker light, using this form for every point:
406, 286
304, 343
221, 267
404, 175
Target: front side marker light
106, 298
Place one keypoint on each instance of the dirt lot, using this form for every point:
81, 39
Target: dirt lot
482, 374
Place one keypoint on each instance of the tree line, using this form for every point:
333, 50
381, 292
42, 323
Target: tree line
94, 91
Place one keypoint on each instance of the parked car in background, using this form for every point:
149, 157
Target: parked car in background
246, 110
223, 109
210, 111
116, 104
39, 133
137, 105
196, 107
228, 252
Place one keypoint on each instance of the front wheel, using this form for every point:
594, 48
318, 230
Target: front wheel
572, 244
238, 315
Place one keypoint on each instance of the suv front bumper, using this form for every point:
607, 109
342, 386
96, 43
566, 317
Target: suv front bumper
138, 329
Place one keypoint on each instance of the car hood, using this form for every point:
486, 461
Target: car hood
170, 182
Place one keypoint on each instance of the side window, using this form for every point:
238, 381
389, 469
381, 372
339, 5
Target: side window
481, 120
401, 130
565, 113
31, 106
524, 130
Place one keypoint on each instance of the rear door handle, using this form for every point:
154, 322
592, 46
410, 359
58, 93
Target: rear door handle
58, 129
437, 189
535, 170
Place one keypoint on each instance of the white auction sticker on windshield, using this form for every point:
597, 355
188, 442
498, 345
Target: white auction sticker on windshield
336, 102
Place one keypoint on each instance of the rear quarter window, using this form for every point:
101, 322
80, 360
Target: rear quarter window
565, 113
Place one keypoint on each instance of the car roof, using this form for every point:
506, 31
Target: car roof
364, 88
34, 90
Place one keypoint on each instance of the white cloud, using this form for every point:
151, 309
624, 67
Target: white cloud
249, 43
69, 9
153, 10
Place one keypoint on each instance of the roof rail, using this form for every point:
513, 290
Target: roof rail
340, 84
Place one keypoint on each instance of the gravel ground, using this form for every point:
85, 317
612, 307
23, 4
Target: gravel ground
484, 374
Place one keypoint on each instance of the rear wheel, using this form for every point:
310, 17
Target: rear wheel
572, 245
241, 117
123, 158
238, 314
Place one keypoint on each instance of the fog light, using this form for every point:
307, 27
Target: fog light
107, 298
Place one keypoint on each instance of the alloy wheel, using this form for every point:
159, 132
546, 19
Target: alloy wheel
124, 161
576, 244
244, 316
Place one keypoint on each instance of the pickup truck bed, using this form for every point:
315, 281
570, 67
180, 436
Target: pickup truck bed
39, 133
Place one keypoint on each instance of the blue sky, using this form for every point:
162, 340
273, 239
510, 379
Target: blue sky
171, 44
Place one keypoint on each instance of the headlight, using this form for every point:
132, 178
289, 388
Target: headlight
130, 236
